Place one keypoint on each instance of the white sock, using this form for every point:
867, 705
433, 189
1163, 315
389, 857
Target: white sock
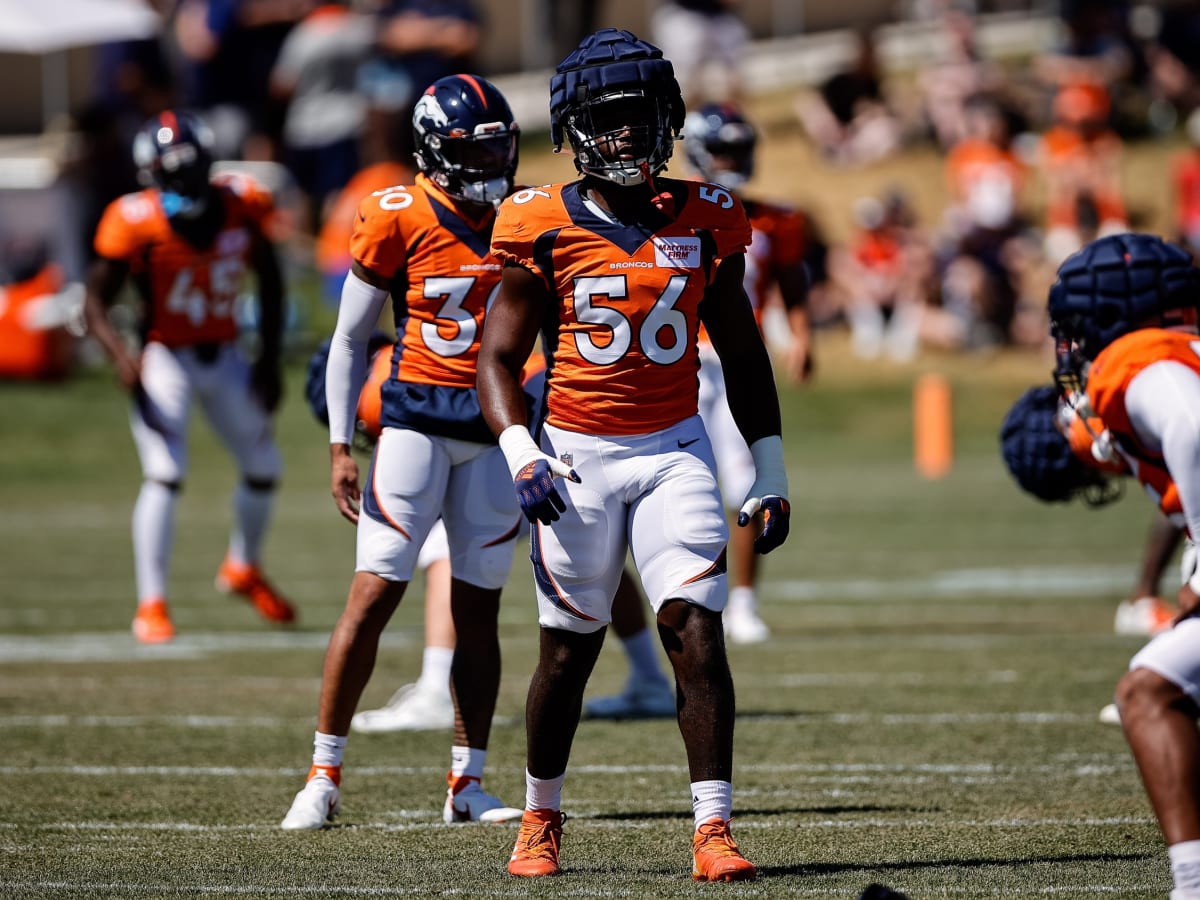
642, 653
711, 800
153, 534
543, 793
328, 749
1185, 870
435, 670
467, 761
251, 513
743, 599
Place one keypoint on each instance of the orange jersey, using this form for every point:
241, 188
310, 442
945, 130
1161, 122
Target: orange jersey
779, 238
1108, 380
443, 279
628, 297
188, 291
333, 242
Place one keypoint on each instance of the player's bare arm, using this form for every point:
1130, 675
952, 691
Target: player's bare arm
508, 339
749, 380
793, 283
753, 400
104, 283
267, 377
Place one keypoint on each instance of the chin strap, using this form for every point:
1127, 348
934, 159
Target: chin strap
663, 201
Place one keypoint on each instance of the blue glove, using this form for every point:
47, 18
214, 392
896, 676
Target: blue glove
539, 498
777, 522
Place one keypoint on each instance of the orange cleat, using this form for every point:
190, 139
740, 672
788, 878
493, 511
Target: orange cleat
716, 857
152, 623
536, 851
247, 580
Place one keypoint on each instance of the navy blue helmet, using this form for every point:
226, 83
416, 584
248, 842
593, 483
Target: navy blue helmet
719, 143
466, 138
1118, 284
174, 152
617, 101
1039, 456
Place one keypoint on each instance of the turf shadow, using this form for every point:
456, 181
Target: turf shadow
835, 868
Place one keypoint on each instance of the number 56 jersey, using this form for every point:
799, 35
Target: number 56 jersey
627, 296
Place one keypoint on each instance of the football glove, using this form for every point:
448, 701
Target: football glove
533, 475
768, 495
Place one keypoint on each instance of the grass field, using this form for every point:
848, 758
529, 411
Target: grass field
924, 716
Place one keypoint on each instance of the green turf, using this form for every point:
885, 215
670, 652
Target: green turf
924, 716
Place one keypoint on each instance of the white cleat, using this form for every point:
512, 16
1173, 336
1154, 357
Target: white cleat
642, 698
1110, 715
470, 803
1143, 616
317, 802
743, 626
412, 708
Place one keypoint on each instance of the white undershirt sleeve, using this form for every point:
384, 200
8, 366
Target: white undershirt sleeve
347, 366
1163, 404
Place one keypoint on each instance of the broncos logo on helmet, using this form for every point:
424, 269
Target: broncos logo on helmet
466, 138
617, 101
1042, 460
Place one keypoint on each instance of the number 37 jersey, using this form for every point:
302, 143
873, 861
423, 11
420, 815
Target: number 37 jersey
628, 298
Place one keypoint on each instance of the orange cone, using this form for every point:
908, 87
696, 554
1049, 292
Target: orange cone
933, 426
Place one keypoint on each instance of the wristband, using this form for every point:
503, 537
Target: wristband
516, 443
770, 474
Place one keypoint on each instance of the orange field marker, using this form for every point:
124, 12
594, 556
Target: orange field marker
933, 426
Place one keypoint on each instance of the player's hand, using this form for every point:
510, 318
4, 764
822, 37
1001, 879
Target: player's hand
129, 371
267, 383
539, 498
776, 519
344, 481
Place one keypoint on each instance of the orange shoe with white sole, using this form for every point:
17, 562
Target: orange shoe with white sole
152, 623
536, 850
715, 855
247, 580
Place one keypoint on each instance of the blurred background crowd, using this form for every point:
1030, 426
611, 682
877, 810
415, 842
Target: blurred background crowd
1030, 109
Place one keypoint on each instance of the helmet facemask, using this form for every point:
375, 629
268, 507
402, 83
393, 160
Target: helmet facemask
720, 147
177, 160
479, 168
623, 136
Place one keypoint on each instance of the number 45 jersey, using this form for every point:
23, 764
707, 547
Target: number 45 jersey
188, 292
628, 298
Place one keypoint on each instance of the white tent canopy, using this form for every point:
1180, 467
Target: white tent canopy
49, 27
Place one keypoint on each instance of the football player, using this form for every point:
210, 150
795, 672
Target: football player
720, 146
187, 242
1123, 312
618, 270
427, 244
1048, 450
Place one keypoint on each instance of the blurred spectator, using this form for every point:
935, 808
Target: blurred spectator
1098, 46
1185, 182
950, 82
698, 36
1080, 160
983, 228
848, 117
230, 47
568, 22
386, 166
316, 75
883, 277
1174, 57
34, 342
418, 42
